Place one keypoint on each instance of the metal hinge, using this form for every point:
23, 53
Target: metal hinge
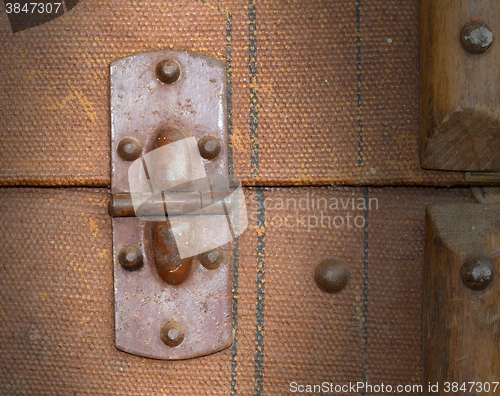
482, 177
175, 209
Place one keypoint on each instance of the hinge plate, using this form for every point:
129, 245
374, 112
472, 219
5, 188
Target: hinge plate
144, 303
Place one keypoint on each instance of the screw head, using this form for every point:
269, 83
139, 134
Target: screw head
130, 258
331, 275
209, 147
211, 259
477, 272
476, 37
129, 149
172, 334
168, 71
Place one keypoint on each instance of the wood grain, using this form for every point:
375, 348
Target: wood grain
486, 195
459, 100
461, 326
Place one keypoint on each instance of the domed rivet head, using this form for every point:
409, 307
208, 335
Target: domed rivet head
209, 147
167, 71
211, 259
130, 258
476, 37
172, 334
477, 272
129, 149
331, 275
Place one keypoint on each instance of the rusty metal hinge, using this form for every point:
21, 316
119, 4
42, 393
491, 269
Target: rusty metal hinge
175, 209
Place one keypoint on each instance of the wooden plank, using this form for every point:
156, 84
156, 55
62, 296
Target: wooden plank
460, 105
461, 309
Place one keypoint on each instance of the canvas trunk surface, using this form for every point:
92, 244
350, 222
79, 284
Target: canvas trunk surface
323, 93
322, 103
57, 296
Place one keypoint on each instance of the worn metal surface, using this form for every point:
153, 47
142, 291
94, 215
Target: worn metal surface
172, 334
141, 104
483, 177
209, 147
130, 258
144, 302
168, 71
179, 203
476, 37
477, 272
157, 113
331, 275
129, 149
170, 266
212, 259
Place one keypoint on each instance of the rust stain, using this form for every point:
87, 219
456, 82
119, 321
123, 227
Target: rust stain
94, 227
87, 105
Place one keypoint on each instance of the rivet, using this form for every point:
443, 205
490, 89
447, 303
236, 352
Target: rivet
476, 37
209, 147
331, 275
129, 149
172, 334
477, 272
130, 258
211, 259
168, 71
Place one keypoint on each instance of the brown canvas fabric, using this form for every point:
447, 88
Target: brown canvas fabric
320, 93
57, 296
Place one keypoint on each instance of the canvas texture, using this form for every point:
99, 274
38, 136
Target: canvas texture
57, 305
319, 93
322, 103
